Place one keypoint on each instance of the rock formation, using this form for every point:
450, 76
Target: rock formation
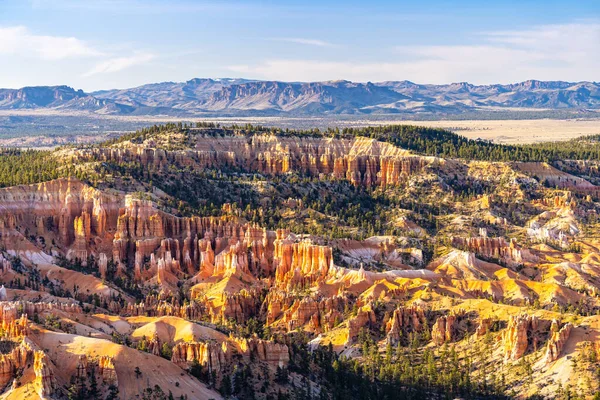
495, 248
364, 316
273, 354
103, 265
300, 264
106, 369
285, 309
208, 354
102, 367
55, 206
557, 340
404, 320
519, 335
484, 327
17, 358
45, 382
362, 161
82, 230
443, 330
218, 357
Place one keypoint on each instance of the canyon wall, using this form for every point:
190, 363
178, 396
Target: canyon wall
362, 161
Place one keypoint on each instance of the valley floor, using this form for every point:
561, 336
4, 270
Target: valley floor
49, 128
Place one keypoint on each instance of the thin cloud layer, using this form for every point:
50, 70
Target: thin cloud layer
569, 51
120, 63
549, 52
310, 42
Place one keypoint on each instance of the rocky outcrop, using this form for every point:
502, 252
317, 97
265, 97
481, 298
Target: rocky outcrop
55, 206
13, 314
556, 342
383, 250
210, 355
17, 358
13, 318
82, 367
102, 367
154, 346
82, 228
556, 178
158, 245
443, 330
519, 336
17, 328
218, 357
300, 312
23, 356
300, 264
273, 354
363, 318
285, 309
495, 248
362, 161
158, 306
405, 320
103, 265
106, 369
45, 383
483, 327
5, 265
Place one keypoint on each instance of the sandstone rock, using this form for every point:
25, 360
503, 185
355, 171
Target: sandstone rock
13, 315
218, 357
106, 369
364, 316
103, 265
300, 264
55, 205
518, 335
495, 248
45, 382
362, 161
404, 320
284, 309
154, 346
274, 354
557, 340
5, 265
443, 329
484, 327
210, 355
17, 358
82, 367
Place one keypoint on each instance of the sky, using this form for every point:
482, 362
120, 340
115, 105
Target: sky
105, 44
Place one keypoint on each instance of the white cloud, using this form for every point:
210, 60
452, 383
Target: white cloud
310, 42
120, 63
18, 40
549, 52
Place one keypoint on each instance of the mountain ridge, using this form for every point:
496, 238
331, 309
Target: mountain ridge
240, 96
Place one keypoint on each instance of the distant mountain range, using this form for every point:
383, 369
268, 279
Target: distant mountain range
247, 97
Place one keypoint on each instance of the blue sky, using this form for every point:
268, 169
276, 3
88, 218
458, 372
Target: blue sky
99, 44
